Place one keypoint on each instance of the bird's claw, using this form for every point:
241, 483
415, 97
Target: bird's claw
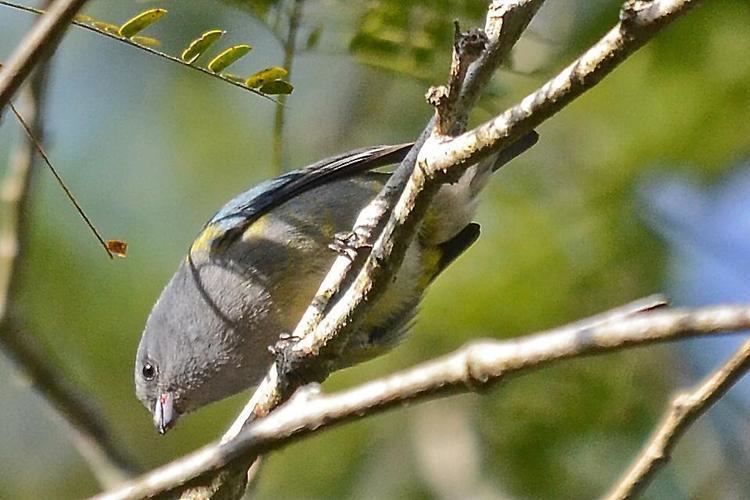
347, 243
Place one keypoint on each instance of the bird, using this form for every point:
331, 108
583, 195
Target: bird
256, 264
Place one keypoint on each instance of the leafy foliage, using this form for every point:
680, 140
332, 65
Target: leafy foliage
406, 37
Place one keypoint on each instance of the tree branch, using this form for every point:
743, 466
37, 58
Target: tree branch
683, 412
474, 367
42, 38
640, 21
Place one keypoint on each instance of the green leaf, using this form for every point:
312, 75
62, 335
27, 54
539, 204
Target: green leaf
136, 24
277, 87
200, 45
107, 27
146, 41
265, 76
228, 57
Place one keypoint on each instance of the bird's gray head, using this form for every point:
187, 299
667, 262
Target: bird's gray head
203, 341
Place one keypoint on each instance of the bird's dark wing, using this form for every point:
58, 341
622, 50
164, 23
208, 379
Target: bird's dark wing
237, 215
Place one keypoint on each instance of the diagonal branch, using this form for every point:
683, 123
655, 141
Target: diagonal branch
639, 22
685, 409
440, 161
474, 367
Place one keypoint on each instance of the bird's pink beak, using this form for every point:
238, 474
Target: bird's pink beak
164, 414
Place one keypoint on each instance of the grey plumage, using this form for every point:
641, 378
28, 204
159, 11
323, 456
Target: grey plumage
256, 265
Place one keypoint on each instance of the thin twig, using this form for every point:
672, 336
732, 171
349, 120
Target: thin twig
40, 40
88, 432
38, 146
474, 367
290, 50
685, 409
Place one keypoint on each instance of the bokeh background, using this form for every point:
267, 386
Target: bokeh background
640, 186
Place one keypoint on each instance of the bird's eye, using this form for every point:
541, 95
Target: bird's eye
149, 371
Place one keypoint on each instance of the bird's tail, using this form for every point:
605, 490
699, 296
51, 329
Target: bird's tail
453, 207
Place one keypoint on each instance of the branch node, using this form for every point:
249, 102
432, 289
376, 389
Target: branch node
631, 11
468, 46
436, 96
682, 402
475, 377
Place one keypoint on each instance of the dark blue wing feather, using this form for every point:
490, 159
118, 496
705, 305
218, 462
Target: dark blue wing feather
234, 217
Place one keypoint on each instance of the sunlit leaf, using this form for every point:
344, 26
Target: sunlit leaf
136, 24
228, 57
108, 27
277, 87
83, 18
265, 76
200, 45
146, 41
118, 247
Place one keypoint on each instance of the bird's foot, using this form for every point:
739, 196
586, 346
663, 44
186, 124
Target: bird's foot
348, 243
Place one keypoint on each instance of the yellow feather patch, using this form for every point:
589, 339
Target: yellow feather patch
257, 229
431, 258
204, 240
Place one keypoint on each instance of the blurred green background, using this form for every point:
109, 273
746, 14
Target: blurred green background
152, 149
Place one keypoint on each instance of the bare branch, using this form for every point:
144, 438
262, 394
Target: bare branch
475, 366
683, 412
43, 37
640, 21
467, 48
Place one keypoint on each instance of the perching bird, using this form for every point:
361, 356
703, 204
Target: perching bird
257, 264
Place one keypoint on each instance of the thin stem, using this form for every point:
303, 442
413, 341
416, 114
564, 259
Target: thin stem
37, 145
290, 49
